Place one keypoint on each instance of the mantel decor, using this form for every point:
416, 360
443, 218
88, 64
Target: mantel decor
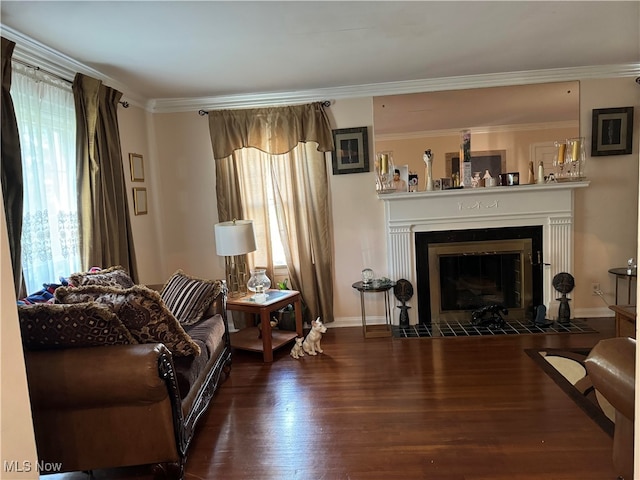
612, 131
351, 154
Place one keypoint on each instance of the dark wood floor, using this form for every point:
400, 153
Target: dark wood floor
473, 408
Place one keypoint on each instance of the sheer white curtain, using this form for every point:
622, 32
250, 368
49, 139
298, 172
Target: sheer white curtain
45, 114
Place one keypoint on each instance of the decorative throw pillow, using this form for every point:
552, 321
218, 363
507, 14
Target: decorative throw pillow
47, 325
188, 297
142, 312
109, 277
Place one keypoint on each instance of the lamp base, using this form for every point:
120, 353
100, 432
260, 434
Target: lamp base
236, 273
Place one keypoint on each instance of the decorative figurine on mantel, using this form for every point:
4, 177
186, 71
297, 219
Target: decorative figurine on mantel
564, 283
428, 160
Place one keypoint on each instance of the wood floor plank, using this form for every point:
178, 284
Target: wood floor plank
474, 408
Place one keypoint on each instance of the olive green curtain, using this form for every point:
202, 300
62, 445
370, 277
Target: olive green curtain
103, 212
12, 183
278, 153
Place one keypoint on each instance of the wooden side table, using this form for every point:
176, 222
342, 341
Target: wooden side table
372, 331
247, 338
625, 320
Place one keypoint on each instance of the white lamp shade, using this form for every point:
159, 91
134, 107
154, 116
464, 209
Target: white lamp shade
235, 238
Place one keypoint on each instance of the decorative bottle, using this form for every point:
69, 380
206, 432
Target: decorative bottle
465, 158
532, 176
428, 159
540, 178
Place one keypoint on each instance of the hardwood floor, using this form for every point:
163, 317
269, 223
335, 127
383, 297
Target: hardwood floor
472, 408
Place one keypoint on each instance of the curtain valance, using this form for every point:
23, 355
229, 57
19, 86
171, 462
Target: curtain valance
274, 130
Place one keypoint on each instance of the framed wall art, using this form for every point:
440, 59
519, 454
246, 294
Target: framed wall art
136, 163
140, 201
612, 131
351, 150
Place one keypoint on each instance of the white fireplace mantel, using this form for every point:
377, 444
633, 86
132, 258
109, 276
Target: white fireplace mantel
550, 206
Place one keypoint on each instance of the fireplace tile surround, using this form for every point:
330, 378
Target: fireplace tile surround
550, 206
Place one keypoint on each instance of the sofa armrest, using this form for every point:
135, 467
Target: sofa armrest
611, 367
96, 376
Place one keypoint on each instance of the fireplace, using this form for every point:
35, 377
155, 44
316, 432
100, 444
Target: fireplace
548, 208
464, 270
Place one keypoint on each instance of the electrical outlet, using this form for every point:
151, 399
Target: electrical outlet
595, 289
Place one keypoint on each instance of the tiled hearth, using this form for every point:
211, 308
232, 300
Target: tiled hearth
550, 206
465, 329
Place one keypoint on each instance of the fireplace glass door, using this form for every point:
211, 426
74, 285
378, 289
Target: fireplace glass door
466, 276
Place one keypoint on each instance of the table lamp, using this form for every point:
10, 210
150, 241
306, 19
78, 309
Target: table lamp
233, 240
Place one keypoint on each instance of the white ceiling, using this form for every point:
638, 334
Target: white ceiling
203, 49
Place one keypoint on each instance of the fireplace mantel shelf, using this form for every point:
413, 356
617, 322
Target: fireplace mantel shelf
484, 190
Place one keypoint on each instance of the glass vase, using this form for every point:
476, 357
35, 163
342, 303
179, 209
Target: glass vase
259, 283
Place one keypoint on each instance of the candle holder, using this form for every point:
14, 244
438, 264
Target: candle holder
558, 161
575, 158
384, 172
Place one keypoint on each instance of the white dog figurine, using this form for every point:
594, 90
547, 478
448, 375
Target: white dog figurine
311, 344
297, 351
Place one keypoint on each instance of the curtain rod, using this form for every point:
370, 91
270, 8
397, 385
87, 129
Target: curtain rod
325, 104
38, 69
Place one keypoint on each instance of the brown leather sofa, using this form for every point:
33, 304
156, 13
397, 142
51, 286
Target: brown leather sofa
123, 405
611, 368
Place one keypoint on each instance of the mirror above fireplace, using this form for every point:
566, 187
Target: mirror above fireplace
522, 120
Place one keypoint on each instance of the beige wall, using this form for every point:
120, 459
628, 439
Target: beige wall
186, 189
134, 138
606, 211
17, 443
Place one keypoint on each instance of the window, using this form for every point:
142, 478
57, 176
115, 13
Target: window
45, 113
258, 177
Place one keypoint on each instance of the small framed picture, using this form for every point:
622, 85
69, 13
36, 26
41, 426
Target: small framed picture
136, 163
612, 131
140, 201
351, 154
445, 183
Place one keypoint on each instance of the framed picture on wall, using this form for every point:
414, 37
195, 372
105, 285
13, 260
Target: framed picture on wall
136, 163
140, 201
612, 131
351, 151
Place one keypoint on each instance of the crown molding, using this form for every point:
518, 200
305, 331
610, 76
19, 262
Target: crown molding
38, 54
